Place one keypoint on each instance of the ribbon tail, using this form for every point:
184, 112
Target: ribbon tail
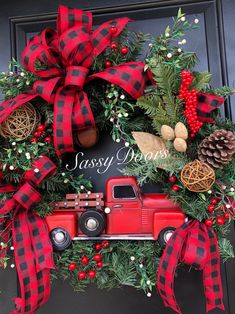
82, 117
129, 76
211, 275
8, 106
63, 108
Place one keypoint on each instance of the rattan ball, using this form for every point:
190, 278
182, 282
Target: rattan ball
197, 176
21, 123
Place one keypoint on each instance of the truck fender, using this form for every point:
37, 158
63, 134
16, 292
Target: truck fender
164, 219
65, 220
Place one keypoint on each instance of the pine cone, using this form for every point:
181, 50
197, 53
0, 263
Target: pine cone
217, 149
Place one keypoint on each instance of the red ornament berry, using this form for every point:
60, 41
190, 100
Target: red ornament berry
108, 64
113, 46
124, 50
99, 264
48, 140
97, 257
211, 208
172, 179
81, 275
220, 220
98, 247
214, 201
209, 222
37, 134
226, 215
92, 274
72, 266
41, 128
34, 140
175, 188
105, 244
84, 260
113, 29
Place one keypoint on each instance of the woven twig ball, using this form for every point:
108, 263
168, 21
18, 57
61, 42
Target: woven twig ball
20, 124
197, 176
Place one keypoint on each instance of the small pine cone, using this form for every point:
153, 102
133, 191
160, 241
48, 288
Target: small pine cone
217, 149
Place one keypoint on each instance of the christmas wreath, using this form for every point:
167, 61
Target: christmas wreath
74, 82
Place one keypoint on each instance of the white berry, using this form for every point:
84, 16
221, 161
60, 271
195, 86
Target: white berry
12, 265
179, 49
82, 187
119, 115
122, 96
27, 83
209, 192
13, 143
118, 140
36, 170
149, 294
167, 34
132, 258
223, 187
12, 248
10, 73
126, 114
111, 119
183, 41
150, 45
22, 74
169, 55
63, 174
11, 167
127, 144
141, 265
17, 80
228, 206
182, 18
148, 282
66, 180
232, 190
196, 21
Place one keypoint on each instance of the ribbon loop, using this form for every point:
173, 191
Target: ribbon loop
27, 196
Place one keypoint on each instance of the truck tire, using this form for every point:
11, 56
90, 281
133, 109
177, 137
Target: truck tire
60, 239
165, 235
92, 222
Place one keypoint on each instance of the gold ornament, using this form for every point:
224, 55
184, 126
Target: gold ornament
197, 176
21, 123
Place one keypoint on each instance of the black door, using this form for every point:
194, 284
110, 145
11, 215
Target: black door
214, 44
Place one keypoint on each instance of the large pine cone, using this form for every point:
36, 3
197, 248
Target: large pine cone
217, 149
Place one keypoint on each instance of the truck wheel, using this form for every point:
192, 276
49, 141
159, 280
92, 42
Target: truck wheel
165, 235
60, 239
92, 222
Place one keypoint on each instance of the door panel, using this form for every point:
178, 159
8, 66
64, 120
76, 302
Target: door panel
214, 44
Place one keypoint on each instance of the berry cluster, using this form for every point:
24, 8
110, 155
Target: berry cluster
190, 98
218, 212
40, 135
90, 263
173, 179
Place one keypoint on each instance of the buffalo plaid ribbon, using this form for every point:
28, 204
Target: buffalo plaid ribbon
194, 244
32, 247
206, 104
67, 54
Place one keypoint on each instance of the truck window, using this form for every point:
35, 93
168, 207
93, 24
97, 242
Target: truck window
124, 191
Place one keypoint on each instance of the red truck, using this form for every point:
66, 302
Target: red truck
127, 214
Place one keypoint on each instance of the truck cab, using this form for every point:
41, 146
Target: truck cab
126, 214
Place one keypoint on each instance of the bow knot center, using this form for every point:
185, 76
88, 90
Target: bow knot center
76, 76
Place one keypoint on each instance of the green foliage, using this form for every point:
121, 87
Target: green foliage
226, 249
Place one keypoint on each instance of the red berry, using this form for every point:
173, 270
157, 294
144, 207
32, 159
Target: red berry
172, 179
84, 260
41, 128
113, 29
105, 244
92, 274
124, 50
113, 46
34, 140
175, 188
226, 215
214, 201
97, 257
211, 208
72, 266
99, 264
48, 139
98, 247
108, 64
209, 222
81, 275
37, 134
220, 220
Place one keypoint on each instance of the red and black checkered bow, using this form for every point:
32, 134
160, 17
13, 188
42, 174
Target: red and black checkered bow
67, 56
32, 247
194, 244
206, 104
